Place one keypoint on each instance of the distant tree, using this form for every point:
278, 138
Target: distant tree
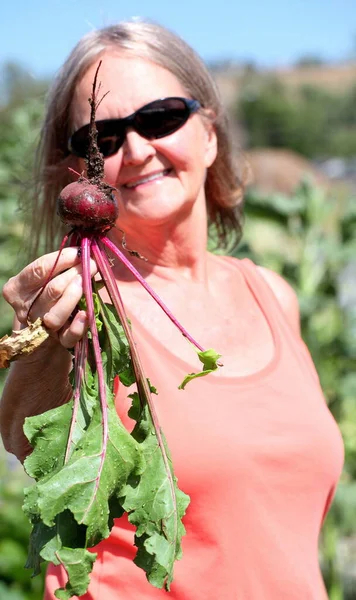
20, 119
306, 119
309, 60
267, 114
18, 84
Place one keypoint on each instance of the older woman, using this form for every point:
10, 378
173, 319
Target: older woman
253, 444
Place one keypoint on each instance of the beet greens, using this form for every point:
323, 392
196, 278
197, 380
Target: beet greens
88, 468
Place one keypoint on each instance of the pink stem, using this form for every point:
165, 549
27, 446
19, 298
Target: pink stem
105, 240
142, 385
88, 293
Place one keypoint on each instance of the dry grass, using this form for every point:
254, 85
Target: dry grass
333, 78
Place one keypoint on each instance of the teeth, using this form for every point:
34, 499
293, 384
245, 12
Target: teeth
148, 178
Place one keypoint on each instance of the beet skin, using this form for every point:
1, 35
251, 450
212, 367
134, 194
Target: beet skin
87, 206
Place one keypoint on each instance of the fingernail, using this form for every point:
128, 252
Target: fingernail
82, 316
50, 320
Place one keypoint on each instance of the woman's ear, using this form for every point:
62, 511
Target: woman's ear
211, 138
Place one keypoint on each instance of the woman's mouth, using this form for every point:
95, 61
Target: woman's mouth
146, 179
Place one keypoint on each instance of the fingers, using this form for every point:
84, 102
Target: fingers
60, 295
73, 331
59, 313
21, 290
35, 275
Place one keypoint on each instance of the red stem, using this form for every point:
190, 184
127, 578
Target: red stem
142, 385
88, 293
105, 240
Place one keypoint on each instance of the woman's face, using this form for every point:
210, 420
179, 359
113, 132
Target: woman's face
178, 162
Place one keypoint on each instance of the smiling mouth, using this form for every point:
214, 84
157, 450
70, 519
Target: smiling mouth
142, 180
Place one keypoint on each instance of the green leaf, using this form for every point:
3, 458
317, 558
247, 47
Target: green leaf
209, 358
75, 485
155, 505
73, 503
78, 564
82, 305
115, 348
56, 544
47, 434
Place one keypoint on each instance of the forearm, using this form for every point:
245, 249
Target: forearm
34, 384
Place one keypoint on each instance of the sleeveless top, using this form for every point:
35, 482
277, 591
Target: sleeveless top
259, 455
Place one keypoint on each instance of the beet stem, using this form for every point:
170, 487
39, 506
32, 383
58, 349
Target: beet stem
144, 392
88, 293
109, 244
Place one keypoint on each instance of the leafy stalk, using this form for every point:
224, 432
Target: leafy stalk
70, 506
144, 391
88, 293
168, 519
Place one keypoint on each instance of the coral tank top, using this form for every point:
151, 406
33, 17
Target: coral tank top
259, 455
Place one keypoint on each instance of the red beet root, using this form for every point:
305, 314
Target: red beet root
87, 206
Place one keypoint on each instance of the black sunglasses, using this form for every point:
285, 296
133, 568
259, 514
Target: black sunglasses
153, 121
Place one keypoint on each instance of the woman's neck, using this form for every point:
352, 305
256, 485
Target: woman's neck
169, 250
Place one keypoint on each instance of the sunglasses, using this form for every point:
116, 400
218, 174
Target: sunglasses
153, 121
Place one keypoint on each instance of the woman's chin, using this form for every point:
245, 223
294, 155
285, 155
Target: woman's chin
153, 213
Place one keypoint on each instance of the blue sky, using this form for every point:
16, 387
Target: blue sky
40, 33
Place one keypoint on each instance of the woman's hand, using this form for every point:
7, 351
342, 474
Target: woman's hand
39, 381
57, 302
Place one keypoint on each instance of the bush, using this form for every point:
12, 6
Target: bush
308, 120
16, 582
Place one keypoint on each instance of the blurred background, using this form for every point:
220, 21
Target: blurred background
287, 75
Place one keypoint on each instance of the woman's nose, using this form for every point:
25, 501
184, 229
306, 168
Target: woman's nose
136, 149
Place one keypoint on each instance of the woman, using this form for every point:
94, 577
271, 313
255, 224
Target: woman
253, 444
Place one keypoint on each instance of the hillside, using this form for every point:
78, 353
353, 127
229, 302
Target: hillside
333, 78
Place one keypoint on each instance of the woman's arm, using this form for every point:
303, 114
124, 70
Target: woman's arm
34, 384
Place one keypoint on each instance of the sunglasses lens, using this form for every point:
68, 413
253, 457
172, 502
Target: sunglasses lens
161, 118
79, 141
108, 142
156, 120
108, 145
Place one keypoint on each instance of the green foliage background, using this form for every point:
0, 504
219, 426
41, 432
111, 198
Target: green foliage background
309, 238
309, 120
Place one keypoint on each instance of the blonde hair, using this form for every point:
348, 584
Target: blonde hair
223, 187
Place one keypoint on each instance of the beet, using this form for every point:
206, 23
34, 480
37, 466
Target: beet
87, 206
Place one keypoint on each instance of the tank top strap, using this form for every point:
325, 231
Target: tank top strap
276, 317
264, 295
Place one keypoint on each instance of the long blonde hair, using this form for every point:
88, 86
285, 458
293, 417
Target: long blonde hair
223, 187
